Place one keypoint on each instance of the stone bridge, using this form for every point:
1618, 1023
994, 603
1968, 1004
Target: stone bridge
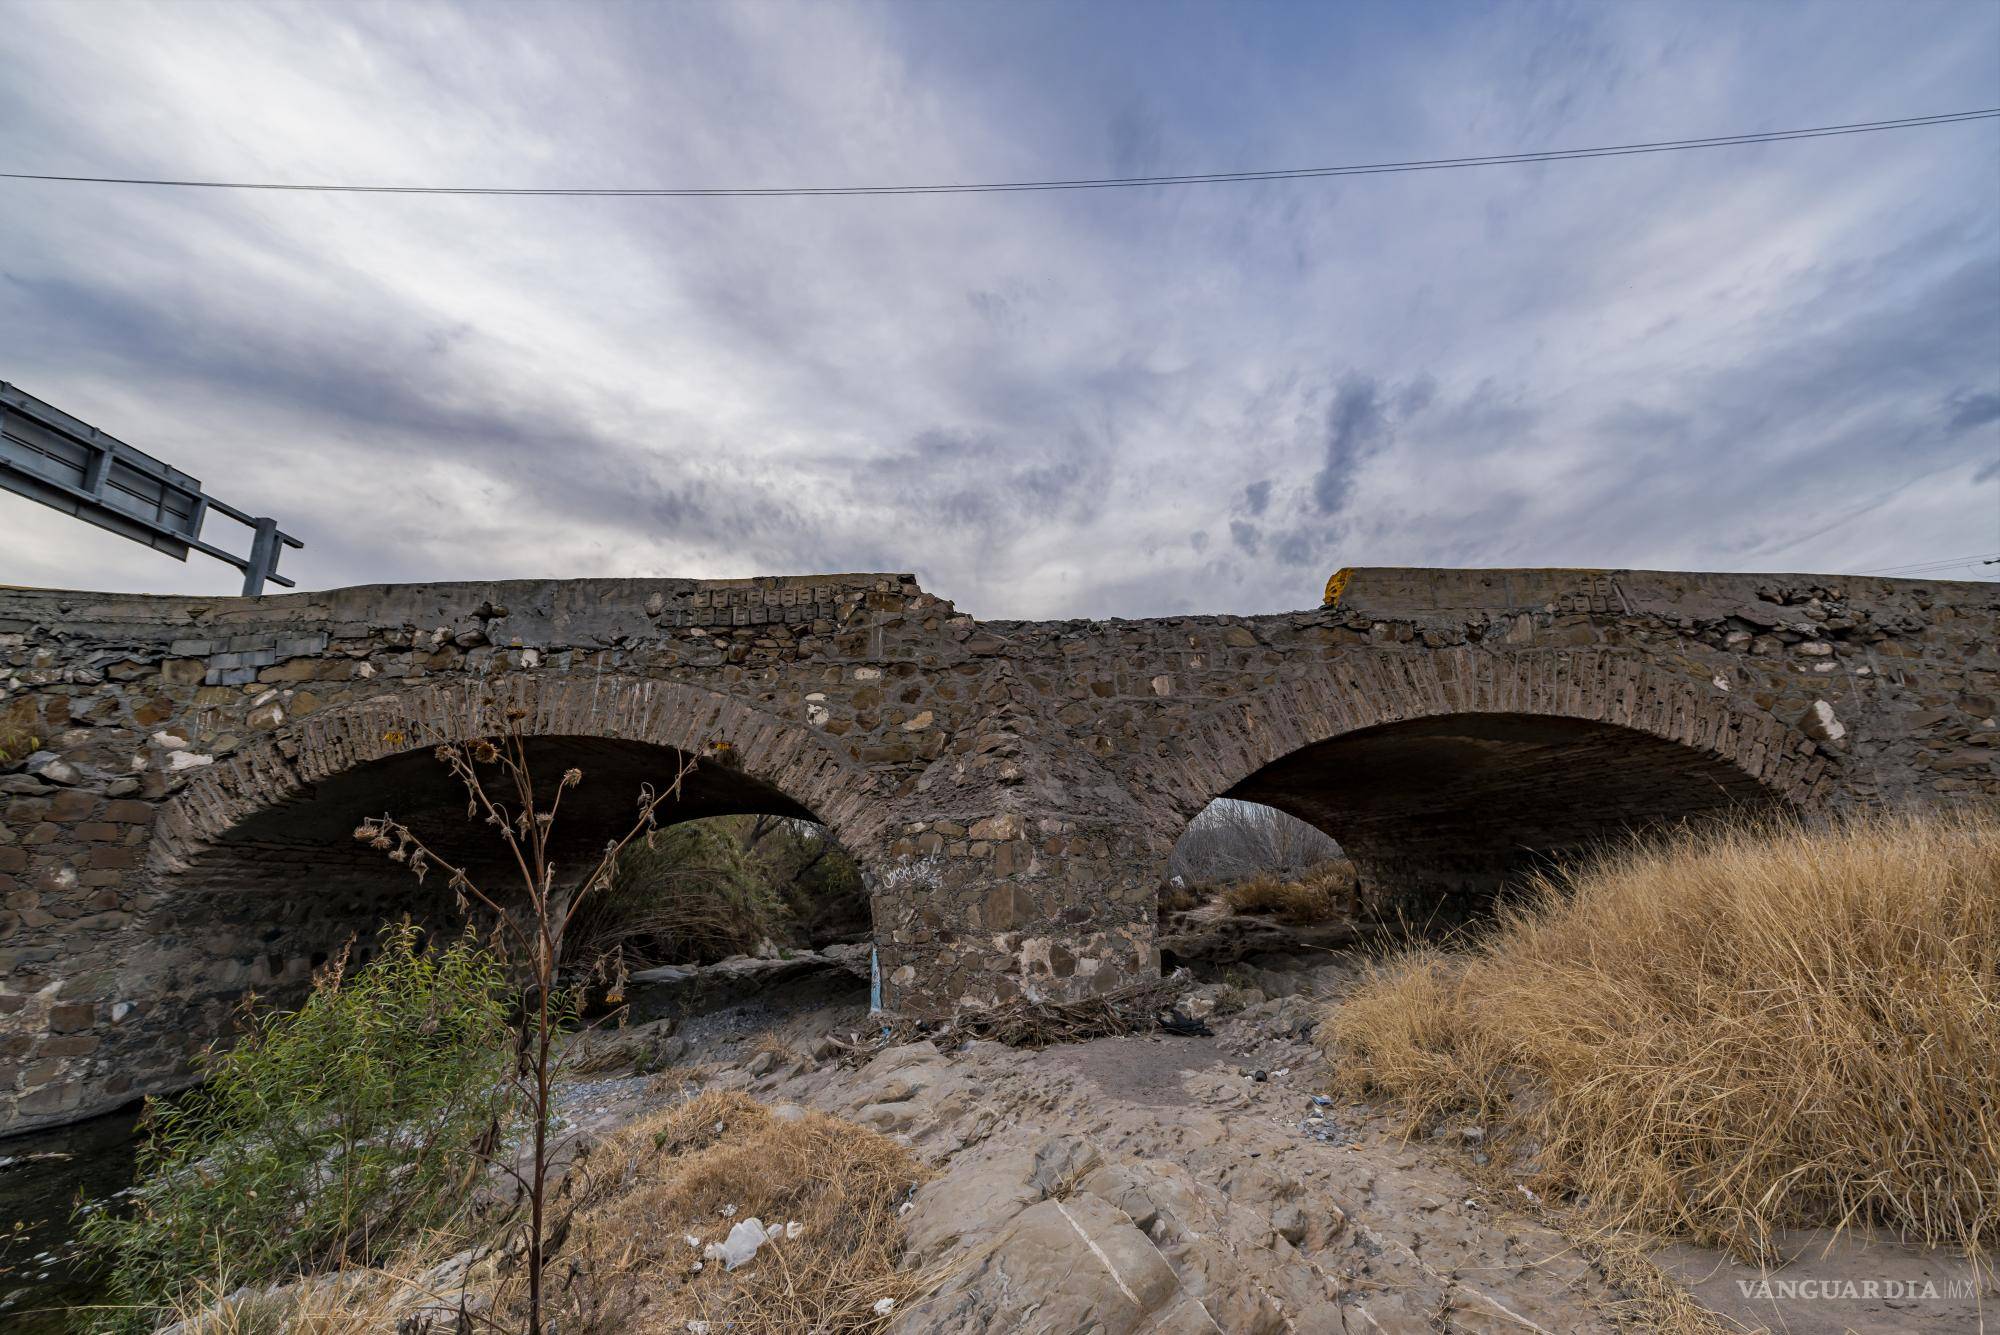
180, 776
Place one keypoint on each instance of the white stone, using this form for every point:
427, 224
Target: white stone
54, 770
188, 760
920, 722
169, 741
1721, 682
531, 658
1820, 723
1163, 685
867, 674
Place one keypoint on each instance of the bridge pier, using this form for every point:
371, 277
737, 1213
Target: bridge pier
1048, 908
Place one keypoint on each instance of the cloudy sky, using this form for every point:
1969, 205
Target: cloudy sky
1110, 403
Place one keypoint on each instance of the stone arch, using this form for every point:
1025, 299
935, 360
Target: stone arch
1419, 762
782, 756
253, 879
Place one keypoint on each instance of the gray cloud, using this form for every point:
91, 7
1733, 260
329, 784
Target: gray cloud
1970, 410
1044, 404
1356, 428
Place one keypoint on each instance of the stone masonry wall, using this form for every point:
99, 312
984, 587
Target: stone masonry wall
177, 775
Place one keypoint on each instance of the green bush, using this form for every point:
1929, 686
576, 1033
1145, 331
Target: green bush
326, 1135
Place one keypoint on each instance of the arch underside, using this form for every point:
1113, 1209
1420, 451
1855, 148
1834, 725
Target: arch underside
419, 790
275, 894
1455, 808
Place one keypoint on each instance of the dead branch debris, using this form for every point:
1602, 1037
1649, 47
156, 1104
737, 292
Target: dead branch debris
1136, 1008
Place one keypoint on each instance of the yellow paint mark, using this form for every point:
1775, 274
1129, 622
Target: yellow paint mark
1336, 586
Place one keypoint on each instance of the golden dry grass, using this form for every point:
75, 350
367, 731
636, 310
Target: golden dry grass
1177, 898
358, 1300
770, 1044
1752, 1028
1322, 893
626, 1265
622, 1264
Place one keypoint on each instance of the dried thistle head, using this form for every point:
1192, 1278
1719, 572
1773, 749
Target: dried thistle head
485, 752
572, 777
515, 713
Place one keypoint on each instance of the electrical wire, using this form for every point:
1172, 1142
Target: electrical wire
1080, 183
1944, 563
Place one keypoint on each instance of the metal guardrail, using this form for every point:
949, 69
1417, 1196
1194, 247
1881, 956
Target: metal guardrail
48, 456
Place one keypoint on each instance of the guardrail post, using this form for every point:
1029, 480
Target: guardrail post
263, 556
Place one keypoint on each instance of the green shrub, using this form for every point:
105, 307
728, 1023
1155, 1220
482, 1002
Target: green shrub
326, 1135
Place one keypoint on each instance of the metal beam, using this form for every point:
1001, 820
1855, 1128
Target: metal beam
69, 465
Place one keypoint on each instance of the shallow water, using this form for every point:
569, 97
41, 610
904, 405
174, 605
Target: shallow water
44, 1279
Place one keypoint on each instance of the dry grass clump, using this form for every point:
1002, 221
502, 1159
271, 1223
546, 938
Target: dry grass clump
640, 1195
770, 1044
1177, 897
402, 1295
1752, 1028
1324, 891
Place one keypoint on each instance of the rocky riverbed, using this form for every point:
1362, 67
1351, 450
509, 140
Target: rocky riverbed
1165, 1184
1156, 1184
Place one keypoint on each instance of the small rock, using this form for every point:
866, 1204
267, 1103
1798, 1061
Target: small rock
1820, 723
51, 768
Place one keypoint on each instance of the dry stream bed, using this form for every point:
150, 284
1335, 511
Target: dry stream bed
1155, 1184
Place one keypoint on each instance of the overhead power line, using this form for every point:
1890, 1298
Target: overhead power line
1080, 183
1973, 561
